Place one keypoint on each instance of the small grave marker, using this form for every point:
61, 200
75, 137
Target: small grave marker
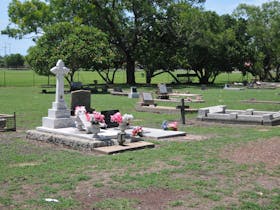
133, 93
147, 99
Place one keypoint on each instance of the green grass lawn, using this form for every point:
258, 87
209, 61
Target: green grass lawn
195, 170
27, 78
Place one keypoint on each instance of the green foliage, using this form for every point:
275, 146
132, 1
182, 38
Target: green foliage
262, 25
14, 61
79, 47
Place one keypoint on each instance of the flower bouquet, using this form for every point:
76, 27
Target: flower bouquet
137, 131
124, 120
96, 118
173, 126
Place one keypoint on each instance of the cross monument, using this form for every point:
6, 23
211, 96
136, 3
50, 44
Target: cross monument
59, 115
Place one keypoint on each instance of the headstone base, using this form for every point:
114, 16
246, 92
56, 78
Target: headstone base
133, 95
57, 122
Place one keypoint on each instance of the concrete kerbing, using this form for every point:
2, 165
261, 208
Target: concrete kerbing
73, 142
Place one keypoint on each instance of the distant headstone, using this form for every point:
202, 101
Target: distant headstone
118, 89
147, 99
80, 98
162, 89
203, 87
75, 86
163, 93
133, 93
107, 117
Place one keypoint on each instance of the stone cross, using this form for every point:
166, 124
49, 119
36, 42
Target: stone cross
59, 70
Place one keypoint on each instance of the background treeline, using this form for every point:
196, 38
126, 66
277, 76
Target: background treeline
155, 36
12, 61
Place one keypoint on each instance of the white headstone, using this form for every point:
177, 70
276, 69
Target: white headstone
59, 115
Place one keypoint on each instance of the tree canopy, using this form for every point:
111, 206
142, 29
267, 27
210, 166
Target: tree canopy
79, 47
158, 36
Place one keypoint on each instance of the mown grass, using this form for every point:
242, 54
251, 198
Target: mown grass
27, 78
31, 172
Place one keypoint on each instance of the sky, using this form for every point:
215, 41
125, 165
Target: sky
12, 46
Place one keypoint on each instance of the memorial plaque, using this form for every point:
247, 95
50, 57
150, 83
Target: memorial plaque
147, 99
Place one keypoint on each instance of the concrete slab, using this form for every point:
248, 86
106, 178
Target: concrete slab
155, 133
127, 146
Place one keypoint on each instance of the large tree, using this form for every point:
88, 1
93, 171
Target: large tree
263, 25
125, 21
78, 46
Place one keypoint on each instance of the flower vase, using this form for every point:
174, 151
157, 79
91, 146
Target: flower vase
95, 129
123, 127
122, 134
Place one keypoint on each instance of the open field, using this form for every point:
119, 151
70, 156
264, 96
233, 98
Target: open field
27, 78
231, 167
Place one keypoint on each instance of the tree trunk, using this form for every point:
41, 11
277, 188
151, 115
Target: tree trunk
148, 77
130, 71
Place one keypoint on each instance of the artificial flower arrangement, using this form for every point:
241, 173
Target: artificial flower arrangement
173, 126
118, 118
137, 131
95, 118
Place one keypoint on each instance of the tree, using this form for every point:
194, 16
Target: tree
124, 21
78, 46
263, 25
14, 60
204, 44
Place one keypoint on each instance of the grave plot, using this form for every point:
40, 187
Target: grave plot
83, 131
8, 122
250, 116
165, 94
118, 91
228, 87
147, 104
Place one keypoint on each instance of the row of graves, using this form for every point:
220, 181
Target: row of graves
109, 131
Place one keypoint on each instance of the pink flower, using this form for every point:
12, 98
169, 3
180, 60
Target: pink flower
98, 117
173, 126
117, 117
137, 131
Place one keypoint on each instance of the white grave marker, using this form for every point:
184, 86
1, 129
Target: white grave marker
59, 115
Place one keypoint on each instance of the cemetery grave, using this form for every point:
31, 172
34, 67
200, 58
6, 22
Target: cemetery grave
59, 127
229, 87
249, 116
8, 122
118, 91
164, 93
147, 104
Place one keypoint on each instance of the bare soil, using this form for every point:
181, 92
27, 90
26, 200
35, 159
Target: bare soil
265, 151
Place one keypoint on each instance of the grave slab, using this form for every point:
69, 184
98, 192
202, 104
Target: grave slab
127, 146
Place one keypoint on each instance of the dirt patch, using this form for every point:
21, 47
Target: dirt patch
262, 151
150, 198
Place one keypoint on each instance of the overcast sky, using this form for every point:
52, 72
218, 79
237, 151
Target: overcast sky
9, 45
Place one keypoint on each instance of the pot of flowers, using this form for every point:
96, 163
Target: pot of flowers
123, 122
96, 118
